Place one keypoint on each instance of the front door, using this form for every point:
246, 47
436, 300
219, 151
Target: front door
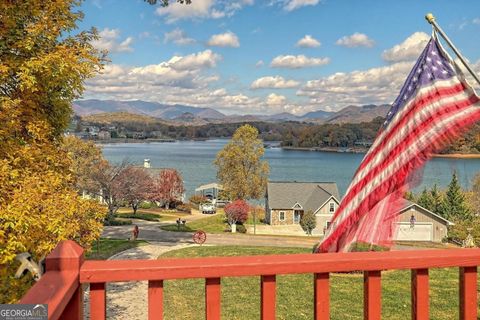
296, 216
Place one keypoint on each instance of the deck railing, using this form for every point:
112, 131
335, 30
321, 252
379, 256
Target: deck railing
61, 285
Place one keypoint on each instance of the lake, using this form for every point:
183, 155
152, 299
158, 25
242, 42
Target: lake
194, 160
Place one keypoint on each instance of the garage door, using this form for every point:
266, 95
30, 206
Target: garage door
420, 232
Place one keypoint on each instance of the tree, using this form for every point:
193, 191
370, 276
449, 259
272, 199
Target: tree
43, 66
168, 187
437, 200
474, 195
308, 222
240, 168
454, 204
236, 212
108, 185
87, 159
425, 199
134, 185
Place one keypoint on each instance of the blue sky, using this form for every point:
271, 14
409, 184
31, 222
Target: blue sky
270, 56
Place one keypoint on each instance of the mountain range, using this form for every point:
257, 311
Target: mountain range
190, 114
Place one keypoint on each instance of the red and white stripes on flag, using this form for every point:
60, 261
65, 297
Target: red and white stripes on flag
435, 106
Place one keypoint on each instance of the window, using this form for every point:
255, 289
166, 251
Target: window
328, 224
332, 207
281, 216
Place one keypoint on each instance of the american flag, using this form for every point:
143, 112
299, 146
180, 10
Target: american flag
435, 106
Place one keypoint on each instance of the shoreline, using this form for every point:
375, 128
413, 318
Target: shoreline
364, 150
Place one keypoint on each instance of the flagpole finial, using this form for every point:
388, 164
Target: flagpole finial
430, 18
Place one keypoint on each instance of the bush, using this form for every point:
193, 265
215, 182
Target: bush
196, 199
187, 208
308, 222
115, 222
241, 228
147, 205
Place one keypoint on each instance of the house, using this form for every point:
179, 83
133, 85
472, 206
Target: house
419, 224
286, 202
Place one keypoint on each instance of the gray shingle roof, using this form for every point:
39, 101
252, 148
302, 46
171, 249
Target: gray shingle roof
310, 195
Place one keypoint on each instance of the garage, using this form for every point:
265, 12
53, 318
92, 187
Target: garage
419, 232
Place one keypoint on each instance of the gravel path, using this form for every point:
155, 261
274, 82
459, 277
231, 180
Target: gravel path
128, 300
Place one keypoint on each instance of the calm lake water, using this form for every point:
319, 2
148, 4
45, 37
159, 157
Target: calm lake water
194, 160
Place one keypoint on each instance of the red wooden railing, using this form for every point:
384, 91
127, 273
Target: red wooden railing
60, 287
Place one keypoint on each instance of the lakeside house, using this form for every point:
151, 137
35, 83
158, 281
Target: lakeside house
286, 202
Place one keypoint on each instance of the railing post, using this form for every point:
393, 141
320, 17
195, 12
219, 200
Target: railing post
155, 300
64, 262
321, 287
98, 301
468, 293
268, 297
420, 297
372, 295
212, 298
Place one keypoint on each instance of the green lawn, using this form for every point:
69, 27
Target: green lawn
210, 224
108, 247
140, 215
184, 299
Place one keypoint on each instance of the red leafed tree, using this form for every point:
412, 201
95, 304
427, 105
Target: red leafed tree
168, 187
134, 185
237, 211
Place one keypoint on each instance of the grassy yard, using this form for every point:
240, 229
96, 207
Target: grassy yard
210, 224
139, 215
184, 299
108, 247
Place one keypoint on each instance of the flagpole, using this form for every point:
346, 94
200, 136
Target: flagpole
431, 19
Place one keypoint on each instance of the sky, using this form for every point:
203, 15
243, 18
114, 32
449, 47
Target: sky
270, 56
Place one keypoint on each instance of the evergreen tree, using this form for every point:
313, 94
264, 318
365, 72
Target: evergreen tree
308, 222
437, 200
425, 200
454, 205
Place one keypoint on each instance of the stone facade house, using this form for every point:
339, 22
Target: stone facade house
286, 202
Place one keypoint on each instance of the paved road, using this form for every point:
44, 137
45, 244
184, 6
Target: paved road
150, 231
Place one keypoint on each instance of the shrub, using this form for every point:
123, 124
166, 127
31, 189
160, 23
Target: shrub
196, 199
308, 222
185, 208
115, 222
147, 205
241, 228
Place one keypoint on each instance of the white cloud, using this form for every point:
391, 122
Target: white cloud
409, 49
259, 63
275, 99
227, 39
178, 36
376, 85
308, 42
356, 40
276, 82
202, 9
109, 39
295, 62
476, 21
290, 5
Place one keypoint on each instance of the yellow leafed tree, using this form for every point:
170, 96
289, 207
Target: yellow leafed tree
241, 169
43, 65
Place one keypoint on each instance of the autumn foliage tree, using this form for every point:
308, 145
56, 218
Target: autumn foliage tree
168, 187
237, 212
241, 169
43, 66
134, 185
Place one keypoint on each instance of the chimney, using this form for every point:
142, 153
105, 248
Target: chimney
146, 163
